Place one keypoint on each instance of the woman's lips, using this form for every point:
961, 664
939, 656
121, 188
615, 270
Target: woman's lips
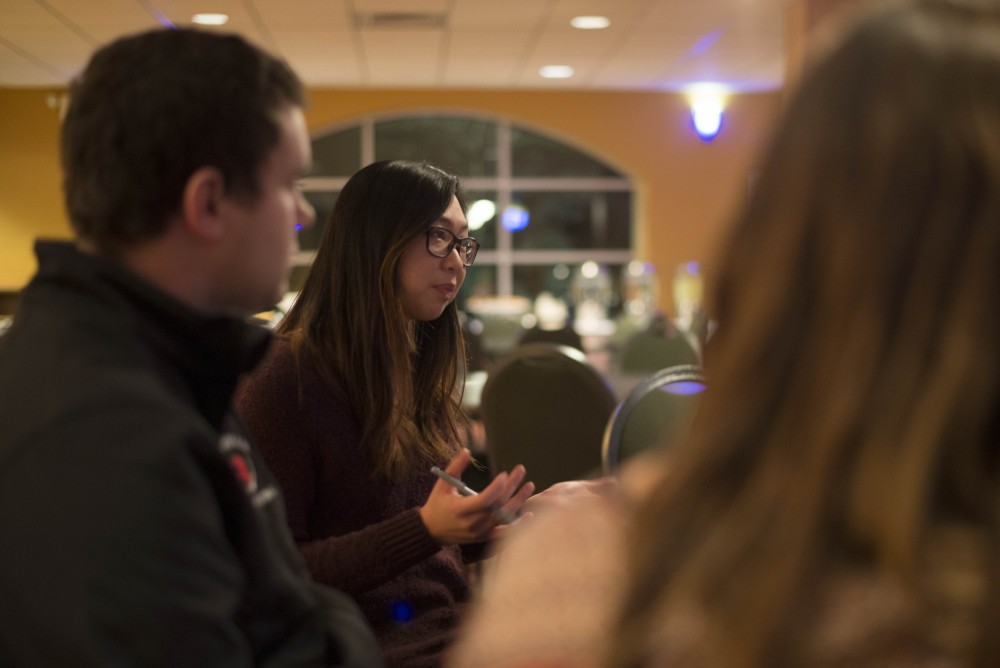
447, 289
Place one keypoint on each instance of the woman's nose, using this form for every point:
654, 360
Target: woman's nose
455, 257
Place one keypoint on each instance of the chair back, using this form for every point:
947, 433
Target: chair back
500, 334
564, 336
646, 352
654, 414
545, 406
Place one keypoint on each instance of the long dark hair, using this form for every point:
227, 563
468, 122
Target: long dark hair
399, 377
853, 410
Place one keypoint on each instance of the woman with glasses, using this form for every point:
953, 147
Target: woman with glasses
357, 402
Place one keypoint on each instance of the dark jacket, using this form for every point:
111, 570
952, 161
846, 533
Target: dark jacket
138, 527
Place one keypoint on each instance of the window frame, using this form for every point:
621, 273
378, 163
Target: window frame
504, 257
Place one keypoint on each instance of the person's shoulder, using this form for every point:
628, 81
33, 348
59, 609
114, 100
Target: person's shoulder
275, 380
120, 415
550, 588
581, 528
85, 384
278, 370
290, 388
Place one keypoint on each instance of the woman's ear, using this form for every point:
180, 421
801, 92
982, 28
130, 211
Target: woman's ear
202, 204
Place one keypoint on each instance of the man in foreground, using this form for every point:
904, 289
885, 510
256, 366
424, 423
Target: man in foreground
138, 526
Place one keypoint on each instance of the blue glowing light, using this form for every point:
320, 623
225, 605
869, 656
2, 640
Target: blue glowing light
705, 43
401, 611
158, 15
684, 387
515, 218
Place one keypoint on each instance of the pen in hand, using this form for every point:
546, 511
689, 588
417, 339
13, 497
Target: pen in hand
504, 516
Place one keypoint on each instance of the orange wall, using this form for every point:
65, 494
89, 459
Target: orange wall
30, 190
686, 189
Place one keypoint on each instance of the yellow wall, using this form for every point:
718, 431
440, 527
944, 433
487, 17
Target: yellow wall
30, 190
686, 189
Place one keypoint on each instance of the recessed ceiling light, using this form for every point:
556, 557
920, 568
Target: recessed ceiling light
590, 22
210, 19
557, 71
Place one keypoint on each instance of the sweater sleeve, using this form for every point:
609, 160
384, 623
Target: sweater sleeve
359, 561
300, 431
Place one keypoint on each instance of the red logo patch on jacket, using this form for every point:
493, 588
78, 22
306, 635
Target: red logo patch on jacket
236, 450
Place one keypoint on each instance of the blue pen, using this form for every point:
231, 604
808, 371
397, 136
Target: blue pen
504, 516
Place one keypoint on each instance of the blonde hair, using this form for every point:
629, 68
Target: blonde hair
855, 395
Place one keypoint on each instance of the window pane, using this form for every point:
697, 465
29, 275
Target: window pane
535, 155
322, 201
486, 233
559, 220
530, 280
462, 146
565, 219
337, 154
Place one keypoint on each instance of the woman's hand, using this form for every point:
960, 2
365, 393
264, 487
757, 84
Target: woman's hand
455, 519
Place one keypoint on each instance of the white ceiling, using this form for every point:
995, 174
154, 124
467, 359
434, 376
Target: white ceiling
650, 45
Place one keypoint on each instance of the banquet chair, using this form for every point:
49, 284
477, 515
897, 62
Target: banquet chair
499, 335
646, 352
545, 406
656, 413
563, 336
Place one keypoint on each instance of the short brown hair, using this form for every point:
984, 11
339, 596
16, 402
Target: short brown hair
152, 108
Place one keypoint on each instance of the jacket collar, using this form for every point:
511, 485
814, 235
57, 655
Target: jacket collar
207, 352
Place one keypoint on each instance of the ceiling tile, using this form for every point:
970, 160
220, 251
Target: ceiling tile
651, 44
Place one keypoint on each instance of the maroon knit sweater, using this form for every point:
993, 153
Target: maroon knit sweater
357, 531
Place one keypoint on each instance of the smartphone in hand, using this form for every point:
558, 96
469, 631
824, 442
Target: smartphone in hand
504, 516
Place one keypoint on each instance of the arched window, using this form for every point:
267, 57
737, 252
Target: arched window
555, 207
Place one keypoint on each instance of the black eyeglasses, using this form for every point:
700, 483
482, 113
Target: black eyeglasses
440, 242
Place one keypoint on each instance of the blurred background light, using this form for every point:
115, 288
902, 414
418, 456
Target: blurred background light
515, 218
479, 213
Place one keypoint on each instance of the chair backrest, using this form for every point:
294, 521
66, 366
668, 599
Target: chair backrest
500, 334
654, 414
564, 336
647, 352
545, 406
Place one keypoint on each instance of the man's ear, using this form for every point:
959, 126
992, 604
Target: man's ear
202, 204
